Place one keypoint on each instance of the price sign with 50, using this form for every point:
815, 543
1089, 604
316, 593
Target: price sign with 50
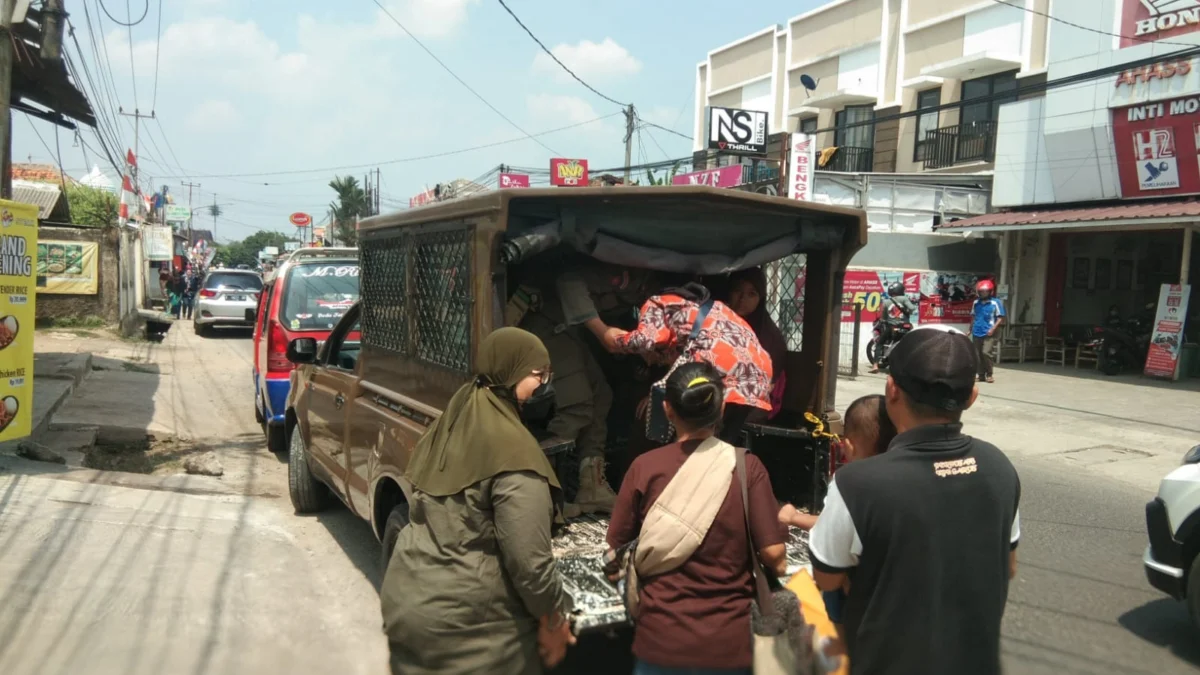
870, 300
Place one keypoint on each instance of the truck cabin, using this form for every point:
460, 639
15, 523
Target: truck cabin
437, 279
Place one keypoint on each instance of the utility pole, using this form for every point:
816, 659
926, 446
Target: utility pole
629, 117
137, 119
189, 186
214, 215
7, 7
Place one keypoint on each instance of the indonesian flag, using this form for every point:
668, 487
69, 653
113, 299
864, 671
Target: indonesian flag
127, 198
130, 159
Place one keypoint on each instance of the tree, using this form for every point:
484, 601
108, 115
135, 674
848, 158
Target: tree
92, 207
245, 252
350, 205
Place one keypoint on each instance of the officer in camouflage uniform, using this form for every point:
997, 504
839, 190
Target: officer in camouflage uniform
559, 311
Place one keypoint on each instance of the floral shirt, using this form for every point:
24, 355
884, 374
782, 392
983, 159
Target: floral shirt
725, 341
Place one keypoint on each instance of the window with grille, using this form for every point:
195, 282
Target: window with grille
926, 121
785, 298
384, 294
808, 125
442, 297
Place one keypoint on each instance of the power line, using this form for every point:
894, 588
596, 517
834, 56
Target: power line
655, 141
1091, 30
460, 80
670, 131
112, 18
405, 160
157, 49
132, 72
556, 60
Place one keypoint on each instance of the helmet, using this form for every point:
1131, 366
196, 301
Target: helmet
895, 289
985, 285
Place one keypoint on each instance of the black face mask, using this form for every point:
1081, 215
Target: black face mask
539, 407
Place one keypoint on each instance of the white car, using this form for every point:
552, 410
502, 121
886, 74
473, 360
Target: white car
1172, 560
224, 298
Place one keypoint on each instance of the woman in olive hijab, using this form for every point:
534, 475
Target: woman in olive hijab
472, 575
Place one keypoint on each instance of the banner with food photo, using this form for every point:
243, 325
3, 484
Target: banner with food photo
67, 267
18, 247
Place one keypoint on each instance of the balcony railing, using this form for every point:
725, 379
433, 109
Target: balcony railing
851, 159
970, 142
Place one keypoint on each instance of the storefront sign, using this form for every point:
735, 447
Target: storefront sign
174, 213
738, 131
67, 267
421, 199
1156, 148
300, 219
514, 180
869, 287
941, 297
18, 246
1145, 21
1162, 360
1158, 71
724, 177
568, 172
803, 164
158, 241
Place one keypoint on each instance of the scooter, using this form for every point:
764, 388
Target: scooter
1125, 348
878, 348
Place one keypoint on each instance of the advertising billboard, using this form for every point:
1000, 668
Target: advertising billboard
514, 180
802, 165
724, 177
1145, 21
1156, 148
568, 172
737, 131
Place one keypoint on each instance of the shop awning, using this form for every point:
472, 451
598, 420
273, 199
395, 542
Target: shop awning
1147, 214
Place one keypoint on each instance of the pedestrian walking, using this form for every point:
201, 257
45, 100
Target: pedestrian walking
472, 585
987, 314
692, 553
928, 529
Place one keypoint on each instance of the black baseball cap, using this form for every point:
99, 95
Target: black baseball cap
936, 366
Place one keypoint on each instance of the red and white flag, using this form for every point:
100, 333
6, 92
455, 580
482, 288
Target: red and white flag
127, 198
130, 159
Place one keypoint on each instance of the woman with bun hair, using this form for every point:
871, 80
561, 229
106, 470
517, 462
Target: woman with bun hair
697, 615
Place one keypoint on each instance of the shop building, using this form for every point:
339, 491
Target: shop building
1098, 180
844, 72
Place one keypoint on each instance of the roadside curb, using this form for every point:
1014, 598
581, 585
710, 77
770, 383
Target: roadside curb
182, 483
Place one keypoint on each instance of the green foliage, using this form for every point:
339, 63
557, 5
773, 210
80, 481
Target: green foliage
351, 204
245, 252
92, 207
666, 179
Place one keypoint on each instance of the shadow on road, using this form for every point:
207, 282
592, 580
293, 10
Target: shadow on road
354, 536
235, 333
1165, 623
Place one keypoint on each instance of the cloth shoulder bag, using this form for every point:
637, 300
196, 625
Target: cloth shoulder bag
679, 519
783, 642
657, 427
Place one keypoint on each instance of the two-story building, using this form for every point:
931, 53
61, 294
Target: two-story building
1098, 179
856, 74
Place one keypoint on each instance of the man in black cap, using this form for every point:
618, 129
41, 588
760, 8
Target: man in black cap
926, 533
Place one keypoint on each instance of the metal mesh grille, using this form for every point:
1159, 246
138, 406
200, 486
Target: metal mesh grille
785, 297
442, 297
384, 295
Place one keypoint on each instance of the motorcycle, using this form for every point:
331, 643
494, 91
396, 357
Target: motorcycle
883, 338
1123, 348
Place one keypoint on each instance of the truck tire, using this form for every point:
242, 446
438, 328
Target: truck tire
308, 494
1193, 591
258, 413
277, 438
397, 520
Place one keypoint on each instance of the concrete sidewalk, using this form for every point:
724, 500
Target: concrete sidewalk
1128, 428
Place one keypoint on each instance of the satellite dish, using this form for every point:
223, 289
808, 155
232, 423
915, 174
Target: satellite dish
809, 83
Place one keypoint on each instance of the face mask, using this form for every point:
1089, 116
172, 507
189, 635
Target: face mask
539, 407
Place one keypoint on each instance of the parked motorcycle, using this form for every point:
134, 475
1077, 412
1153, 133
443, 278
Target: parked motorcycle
883, 338
1122, 348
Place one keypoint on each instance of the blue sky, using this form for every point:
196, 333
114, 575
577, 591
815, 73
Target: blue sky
273, 86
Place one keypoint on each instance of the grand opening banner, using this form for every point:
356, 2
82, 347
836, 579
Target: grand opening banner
18, 266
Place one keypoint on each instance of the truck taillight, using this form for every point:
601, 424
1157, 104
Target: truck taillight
277, 361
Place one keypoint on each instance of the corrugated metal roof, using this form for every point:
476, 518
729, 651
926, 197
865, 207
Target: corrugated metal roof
1128, 213
44, 196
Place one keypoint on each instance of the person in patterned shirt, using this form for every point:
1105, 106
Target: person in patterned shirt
724, 340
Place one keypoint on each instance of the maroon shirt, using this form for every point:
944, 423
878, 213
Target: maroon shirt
697, 615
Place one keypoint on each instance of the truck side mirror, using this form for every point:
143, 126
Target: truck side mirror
302, 350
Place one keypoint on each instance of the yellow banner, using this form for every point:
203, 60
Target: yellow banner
18, 264
67, 267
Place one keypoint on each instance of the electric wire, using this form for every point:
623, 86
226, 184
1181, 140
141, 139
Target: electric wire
145, 11
132, 71
670, 131
157, 50
1088, 29
556, 60
460, 80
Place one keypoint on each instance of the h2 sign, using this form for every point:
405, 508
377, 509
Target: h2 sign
738, 131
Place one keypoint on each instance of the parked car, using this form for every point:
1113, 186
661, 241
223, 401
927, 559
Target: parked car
304, 296
224, 297
1172, 559
436, 280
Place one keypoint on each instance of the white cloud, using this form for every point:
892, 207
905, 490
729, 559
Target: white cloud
213, 115
565, 109
429, 18
589, 60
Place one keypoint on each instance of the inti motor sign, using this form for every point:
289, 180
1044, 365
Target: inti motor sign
1156, 148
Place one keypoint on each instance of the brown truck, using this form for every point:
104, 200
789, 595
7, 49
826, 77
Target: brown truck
435, 280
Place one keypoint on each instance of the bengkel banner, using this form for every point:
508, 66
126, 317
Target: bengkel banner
568, 172
941, 297
724, 177
1162, 359
801, 166
514, 180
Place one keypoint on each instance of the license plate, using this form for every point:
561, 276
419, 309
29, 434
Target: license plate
236, 298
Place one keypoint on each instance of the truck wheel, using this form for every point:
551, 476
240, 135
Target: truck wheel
397, 520
258, 413
308, 494
277, 440
1193, 591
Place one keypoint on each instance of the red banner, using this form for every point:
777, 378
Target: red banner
868, 288
514, 180
1162, 359
1145, 21
1156, 148
941, 298
568, 172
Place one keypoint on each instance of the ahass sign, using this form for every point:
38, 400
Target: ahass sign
739, 131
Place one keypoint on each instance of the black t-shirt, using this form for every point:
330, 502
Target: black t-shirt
924, 532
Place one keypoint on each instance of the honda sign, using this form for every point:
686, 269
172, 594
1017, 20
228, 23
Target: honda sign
742, 132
